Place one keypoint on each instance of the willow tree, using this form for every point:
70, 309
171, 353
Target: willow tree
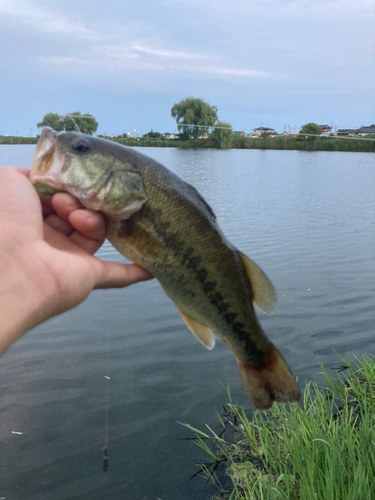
193, 116
71, 122
53, 120
85, 123
222, 134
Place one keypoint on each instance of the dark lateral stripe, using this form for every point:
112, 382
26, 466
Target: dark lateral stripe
187, 257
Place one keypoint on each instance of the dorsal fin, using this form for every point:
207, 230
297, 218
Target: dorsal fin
264, 293
203, 333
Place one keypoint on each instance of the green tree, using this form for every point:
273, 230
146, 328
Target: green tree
311, 128
196, 112
86, 123
52, 120
222, 136
152, 134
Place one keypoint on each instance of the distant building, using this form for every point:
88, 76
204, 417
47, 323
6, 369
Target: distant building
347, 132
263, 130
325, 128
239, 132
366, 130
285, 134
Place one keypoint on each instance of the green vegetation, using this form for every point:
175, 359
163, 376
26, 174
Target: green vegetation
304, 144
86, 123
238, 142
311, 128
323, 449
13, 139
290, 142
70, 122
222, 137
197, 112
52, 120
147, 142
153, 135
201, 116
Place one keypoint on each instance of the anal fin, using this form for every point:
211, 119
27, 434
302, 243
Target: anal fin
203, 333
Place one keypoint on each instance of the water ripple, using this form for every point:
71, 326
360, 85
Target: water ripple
306, 218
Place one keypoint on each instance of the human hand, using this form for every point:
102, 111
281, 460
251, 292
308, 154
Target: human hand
46, 256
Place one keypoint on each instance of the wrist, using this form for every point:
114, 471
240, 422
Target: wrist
22, 304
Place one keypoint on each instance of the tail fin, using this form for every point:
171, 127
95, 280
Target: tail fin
273, 382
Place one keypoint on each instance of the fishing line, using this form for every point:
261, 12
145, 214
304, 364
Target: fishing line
71, 117
75, 116
106, 376
105, 449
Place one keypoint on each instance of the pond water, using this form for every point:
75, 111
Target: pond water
307, 218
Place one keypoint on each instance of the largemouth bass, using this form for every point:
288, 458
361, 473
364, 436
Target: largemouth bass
163, 224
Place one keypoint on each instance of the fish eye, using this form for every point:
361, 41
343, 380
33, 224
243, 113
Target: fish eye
80, 147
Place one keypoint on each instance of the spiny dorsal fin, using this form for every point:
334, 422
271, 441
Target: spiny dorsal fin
203, 333
264, 293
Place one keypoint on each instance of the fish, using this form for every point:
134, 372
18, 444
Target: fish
160, 222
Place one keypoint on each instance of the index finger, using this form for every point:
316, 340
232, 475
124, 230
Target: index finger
24, 171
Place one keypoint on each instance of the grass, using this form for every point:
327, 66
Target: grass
322, 449
284, 143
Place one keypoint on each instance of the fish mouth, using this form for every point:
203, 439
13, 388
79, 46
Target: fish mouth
48, 161
48, 166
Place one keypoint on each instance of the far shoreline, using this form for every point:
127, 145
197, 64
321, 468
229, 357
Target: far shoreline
288, 143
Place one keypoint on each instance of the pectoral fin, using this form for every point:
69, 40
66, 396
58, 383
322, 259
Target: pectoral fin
264, 293
203, 333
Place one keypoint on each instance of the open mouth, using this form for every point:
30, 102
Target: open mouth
47, 161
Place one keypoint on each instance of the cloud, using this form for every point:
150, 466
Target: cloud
169, 54
42, 20
115, 49
253, 43
118, 59
235, 72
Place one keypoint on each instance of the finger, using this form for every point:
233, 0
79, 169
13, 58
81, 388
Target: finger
116, 275
58, 240
86, 244
24, 171
89, 223
61, 225
47, 208
65, 204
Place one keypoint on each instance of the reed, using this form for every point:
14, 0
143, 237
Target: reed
323, 448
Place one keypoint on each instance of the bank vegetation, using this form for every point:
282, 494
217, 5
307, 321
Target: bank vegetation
298, 142
323, 448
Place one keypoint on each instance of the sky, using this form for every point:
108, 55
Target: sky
272, 63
